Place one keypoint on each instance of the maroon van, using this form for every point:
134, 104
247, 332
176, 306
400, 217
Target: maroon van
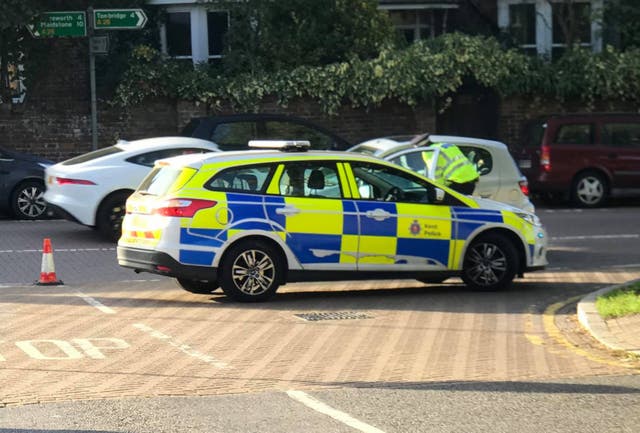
584, 157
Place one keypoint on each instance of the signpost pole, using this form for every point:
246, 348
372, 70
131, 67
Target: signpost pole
92, 78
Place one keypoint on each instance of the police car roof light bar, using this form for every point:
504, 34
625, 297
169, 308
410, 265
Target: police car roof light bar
284, 145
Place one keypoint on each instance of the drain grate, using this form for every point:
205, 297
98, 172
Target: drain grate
333, 315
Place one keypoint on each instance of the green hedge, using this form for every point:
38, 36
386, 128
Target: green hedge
425, 70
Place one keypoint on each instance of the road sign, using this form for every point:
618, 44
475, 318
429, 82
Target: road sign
59, 24
115, 19
99, 44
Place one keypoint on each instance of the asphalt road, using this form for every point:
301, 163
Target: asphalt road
114, 351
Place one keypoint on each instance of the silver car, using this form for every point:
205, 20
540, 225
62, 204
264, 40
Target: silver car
500, 177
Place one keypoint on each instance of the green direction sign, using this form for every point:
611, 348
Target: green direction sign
114, 19
59, 24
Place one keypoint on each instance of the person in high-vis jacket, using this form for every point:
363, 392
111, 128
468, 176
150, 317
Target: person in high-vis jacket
453, 169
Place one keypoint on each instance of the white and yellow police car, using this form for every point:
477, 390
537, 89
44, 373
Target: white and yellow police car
251, 221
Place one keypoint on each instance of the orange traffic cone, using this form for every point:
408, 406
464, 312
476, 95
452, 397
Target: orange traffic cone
48, 269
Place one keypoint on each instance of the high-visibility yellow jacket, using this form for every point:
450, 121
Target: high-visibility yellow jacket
451, 164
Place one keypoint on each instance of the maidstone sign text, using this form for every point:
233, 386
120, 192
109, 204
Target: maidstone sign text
59, 24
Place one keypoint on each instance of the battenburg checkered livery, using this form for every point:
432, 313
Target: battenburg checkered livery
251, 221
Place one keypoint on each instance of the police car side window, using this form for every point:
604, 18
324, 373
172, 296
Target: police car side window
310, 179
382, 183
251, 179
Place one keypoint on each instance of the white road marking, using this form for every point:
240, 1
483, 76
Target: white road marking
60, 250
95, 303
583, 238
325, 409
185, 348
630, 265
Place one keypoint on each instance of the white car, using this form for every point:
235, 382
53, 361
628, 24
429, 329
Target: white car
500, 177
92, 188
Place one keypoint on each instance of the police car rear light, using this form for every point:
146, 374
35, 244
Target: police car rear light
182, 207
524, 187
161, 268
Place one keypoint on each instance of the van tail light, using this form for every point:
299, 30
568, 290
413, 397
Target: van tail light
545, 159
182, 207
68, 181
524, 187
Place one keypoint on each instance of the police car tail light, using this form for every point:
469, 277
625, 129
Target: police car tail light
182, 207
524, 187
545, 159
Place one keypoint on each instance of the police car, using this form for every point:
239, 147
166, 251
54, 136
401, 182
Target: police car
252, 221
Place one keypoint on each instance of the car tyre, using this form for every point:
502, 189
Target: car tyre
490, 263
201, 287
27, 200
589, 190
110, 215
251, 271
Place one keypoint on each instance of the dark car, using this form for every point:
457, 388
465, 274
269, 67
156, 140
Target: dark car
233, 132
22, 184
584, 157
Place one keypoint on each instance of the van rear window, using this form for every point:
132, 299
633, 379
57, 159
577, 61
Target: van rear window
578, 133
533, 133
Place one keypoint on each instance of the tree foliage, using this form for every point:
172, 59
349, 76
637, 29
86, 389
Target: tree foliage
14, 41
270, 35
425, 70
622, 18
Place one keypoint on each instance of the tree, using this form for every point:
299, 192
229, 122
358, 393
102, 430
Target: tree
622, 23
14, 15
270, 35
573, 19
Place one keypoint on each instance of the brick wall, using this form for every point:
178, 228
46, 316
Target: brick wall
55, 120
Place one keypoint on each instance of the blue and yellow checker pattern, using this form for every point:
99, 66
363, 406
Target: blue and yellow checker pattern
342, 234
325, 233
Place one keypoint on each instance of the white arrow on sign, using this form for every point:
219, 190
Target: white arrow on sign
142, 19
33, 31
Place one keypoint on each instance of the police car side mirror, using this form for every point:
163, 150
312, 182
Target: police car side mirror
440, 194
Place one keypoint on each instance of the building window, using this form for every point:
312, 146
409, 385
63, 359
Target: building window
194, 32
544, 26
178, 34
415, 21
522, 25
571, 24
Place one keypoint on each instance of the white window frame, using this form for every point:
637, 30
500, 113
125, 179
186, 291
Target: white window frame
199, 28
544, 23
416, 26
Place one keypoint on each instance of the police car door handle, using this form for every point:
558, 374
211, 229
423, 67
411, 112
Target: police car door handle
287, 210
378, 214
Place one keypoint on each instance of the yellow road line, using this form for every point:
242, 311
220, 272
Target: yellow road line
548, 321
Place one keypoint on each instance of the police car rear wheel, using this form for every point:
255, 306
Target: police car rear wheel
197, 286
251, 271
490, 263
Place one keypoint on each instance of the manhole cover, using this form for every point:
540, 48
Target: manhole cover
333, 315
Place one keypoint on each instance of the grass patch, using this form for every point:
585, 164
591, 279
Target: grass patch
620, 302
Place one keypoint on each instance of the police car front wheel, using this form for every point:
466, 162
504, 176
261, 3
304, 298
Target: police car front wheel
491, 263
251, 271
